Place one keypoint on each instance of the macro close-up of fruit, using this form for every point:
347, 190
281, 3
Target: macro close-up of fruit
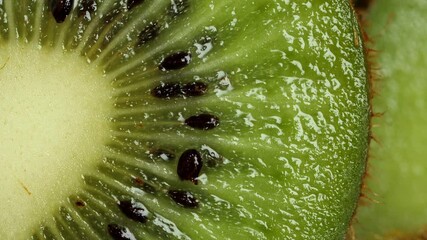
395, 207
182, 119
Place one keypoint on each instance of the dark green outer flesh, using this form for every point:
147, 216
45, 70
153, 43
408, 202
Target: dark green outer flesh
288, 82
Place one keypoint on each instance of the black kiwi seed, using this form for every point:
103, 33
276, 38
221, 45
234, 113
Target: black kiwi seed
189, 165
148, 33
175, 89
133, 211
194, 89
203, 121
183, 198
80, 203
175, 61
61, 9
133, 3
167, 90
118, 232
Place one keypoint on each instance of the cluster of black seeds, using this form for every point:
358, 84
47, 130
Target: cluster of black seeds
60, 9
190, 162
176, 89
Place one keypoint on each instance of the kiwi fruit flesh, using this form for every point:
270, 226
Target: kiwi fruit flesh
397, 208
181, 119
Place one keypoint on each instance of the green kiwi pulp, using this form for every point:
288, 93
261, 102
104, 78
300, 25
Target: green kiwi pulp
398, 206
180, 119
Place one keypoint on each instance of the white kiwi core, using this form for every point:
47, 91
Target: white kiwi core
53, 123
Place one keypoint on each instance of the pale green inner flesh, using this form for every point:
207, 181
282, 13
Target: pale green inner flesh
287, 81
53, 126
398, 167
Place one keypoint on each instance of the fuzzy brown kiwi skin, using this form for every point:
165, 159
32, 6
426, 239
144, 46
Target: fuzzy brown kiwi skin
371, 55
360, 7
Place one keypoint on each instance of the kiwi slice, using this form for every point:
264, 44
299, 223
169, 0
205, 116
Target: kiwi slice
179, 119
397, 208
